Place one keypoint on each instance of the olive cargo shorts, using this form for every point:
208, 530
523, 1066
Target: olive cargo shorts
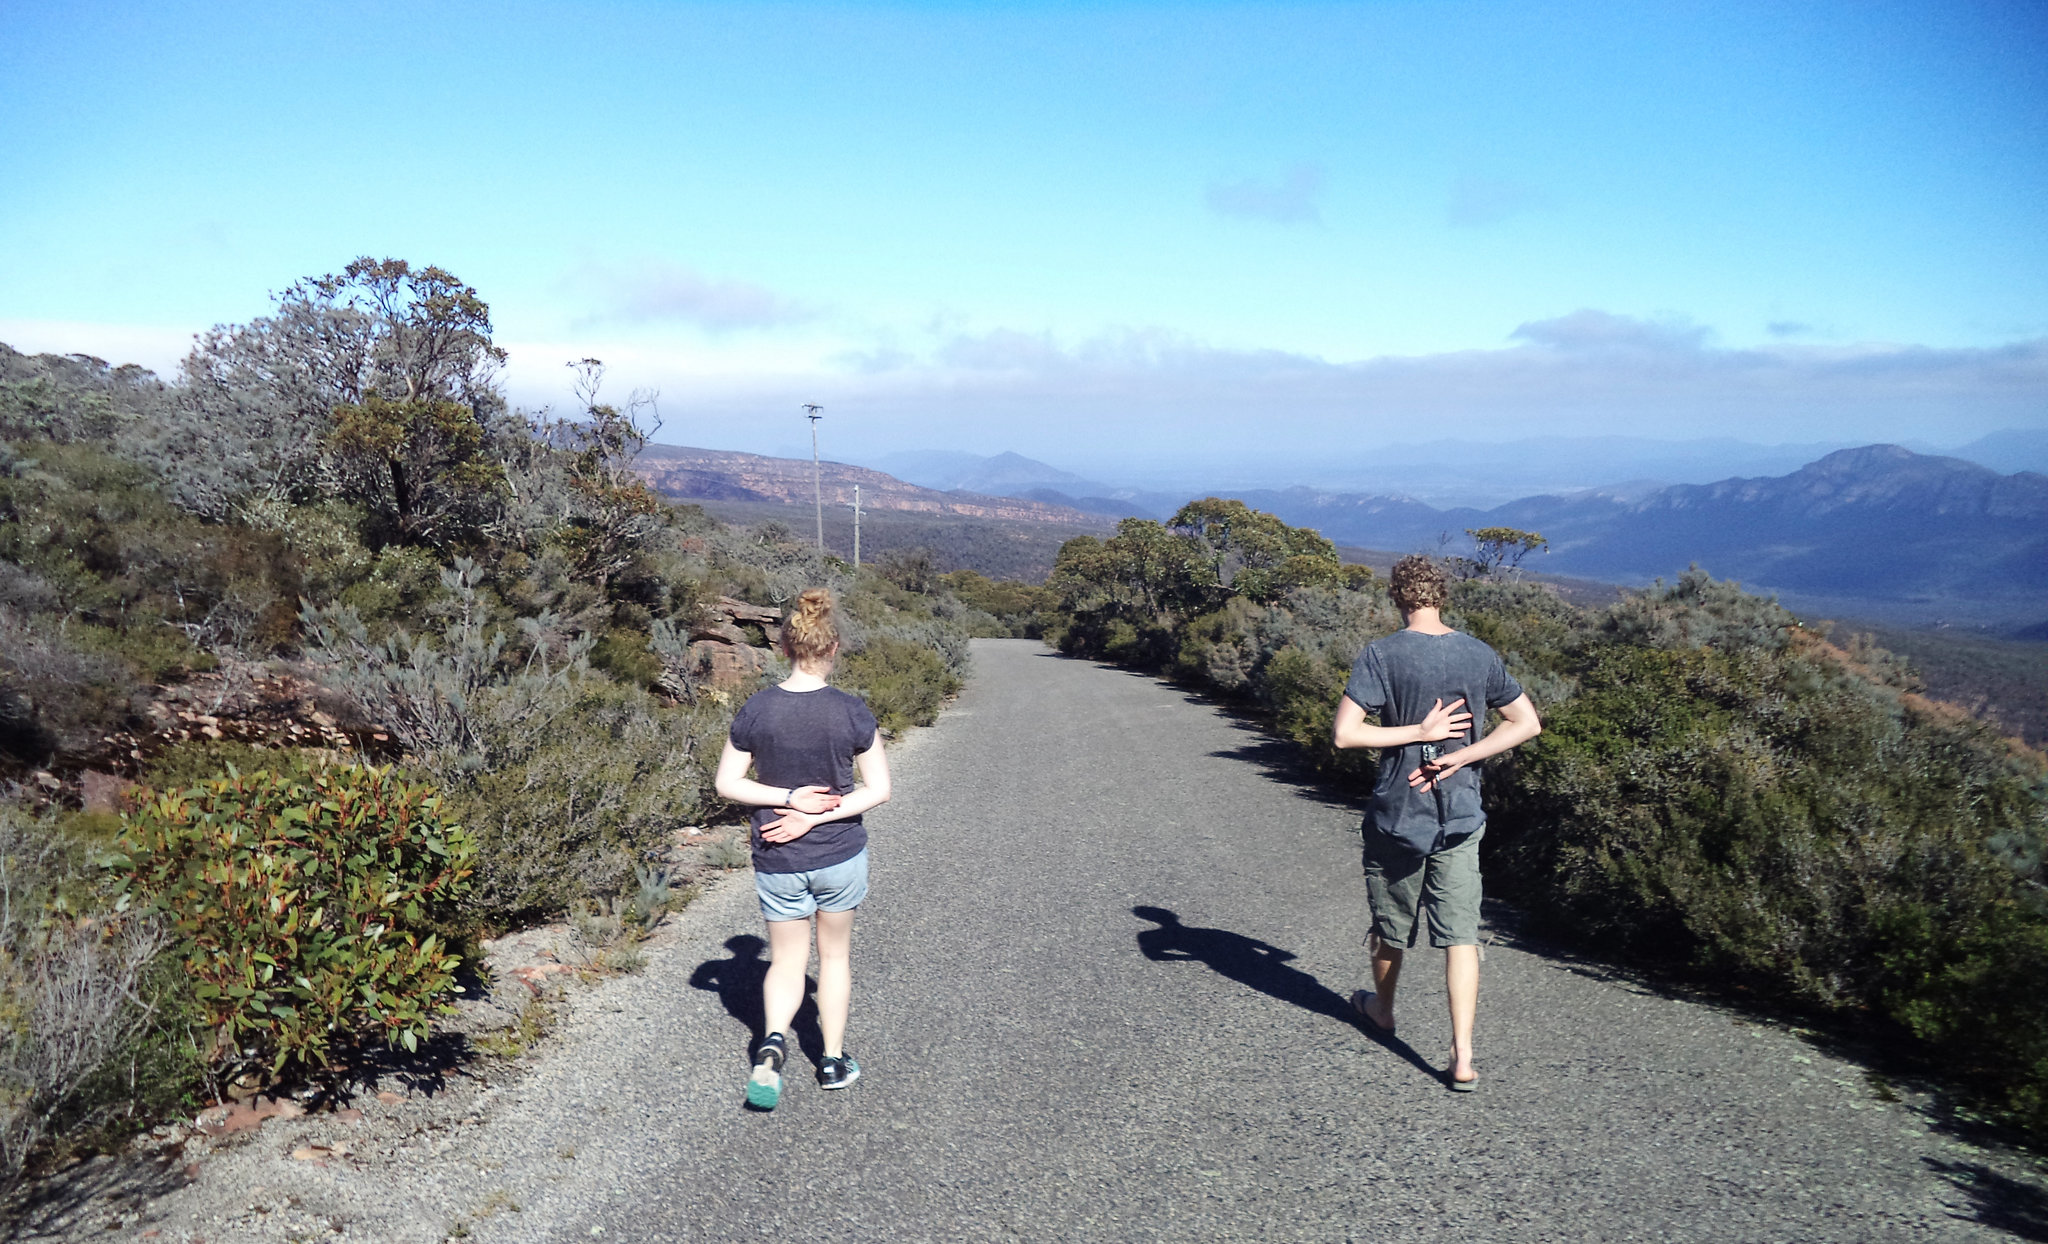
1444, 886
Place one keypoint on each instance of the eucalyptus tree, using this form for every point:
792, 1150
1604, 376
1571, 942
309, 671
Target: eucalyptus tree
377, 385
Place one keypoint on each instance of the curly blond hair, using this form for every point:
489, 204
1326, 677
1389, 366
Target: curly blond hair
1418, 583
810, 634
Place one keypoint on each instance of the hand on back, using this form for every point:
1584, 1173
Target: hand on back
1445, 721
812, 799
804, 812
1429, 775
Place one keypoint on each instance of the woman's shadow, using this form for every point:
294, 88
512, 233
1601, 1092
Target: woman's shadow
737, 982
1260, 966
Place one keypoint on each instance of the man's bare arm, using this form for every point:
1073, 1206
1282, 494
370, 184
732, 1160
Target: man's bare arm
1352, 730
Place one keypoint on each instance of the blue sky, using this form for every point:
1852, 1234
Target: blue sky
1191, 232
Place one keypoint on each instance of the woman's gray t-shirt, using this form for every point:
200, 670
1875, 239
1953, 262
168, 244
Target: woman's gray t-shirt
805, 738
1399, 679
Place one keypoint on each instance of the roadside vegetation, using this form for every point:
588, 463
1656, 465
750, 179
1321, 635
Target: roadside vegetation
319, 664
1720, 791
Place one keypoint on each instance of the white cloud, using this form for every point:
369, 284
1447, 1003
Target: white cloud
1289, 201
1152, 397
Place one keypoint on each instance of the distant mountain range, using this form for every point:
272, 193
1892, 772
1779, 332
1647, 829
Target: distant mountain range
1879, 531
1444, 473
718, 475
1878, 523
2010, 450
1014, 475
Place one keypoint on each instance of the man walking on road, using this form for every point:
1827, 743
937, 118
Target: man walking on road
1423, 827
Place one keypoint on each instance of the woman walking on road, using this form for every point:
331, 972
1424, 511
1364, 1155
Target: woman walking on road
804, 740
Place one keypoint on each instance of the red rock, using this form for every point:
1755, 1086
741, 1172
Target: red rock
389, 1098
244, 1116
729, 665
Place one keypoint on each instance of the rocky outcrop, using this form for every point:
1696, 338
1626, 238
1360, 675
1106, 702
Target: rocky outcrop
261, 704
723, 652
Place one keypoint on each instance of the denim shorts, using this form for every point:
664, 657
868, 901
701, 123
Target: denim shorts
793, 896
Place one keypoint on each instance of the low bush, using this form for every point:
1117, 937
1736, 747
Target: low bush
569, 808
310, 911
72, 986
905, 684
1017, 609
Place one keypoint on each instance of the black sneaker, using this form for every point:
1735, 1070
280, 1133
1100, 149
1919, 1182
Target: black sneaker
838, 1073
764, 1087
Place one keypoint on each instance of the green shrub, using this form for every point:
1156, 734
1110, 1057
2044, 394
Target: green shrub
625, 655
1303, 691
310, 910
73, 993
567, 809
905, 684
1018, 609
157, 1071
195, 761
159, 653
397, 585
1766, 816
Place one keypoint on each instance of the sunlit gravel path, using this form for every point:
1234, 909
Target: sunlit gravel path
1033, 1073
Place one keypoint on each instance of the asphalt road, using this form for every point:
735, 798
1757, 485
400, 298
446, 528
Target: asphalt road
1042, 1061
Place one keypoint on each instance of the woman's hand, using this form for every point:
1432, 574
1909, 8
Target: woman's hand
813, 799
790, 826
1443, 722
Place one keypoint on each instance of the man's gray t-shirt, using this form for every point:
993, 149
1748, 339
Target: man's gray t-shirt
1398, 679
805, 738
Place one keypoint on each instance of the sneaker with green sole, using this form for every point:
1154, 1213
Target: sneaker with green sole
764, 1086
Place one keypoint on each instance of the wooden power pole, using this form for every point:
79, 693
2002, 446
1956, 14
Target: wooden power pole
811, 410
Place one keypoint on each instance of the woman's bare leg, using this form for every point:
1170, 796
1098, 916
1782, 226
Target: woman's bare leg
835, 977
789, 952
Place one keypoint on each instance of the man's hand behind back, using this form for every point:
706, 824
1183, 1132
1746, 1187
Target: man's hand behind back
1445, 721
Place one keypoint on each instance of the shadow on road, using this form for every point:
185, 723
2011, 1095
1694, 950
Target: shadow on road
1281, 762
1258, 965
737, 982
1998, 1201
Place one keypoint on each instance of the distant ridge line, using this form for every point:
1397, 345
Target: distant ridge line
688, 474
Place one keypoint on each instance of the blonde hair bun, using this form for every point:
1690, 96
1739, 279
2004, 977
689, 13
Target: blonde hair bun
810, 633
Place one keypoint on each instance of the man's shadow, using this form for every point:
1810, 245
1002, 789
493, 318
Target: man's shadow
737, 982
1260, 966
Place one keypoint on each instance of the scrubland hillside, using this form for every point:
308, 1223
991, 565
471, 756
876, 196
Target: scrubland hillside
317, 663
1720, 790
